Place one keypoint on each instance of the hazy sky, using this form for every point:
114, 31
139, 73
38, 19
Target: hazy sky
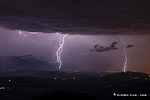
76, 53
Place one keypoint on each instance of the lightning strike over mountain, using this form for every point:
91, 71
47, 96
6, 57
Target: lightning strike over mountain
60, 49
125, 54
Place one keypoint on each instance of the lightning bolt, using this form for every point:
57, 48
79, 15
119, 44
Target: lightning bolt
60, 49
26, 34
125, 54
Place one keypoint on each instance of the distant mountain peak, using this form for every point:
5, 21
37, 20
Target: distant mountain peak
24, 62
28, 55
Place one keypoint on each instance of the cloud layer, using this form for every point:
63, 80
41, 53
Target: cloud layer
77, 16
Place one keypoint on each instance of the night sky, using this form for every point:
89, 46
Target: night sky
87, 23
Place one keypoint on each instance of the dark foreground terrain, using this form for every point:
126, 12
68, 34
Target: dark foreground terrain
130, 85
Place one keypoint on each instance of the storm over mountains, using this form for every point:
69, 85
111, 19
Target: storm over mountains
29, 27
77, 16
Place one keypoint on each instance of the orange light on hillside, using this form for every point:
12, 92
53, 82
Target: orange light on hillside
76, 70
2, 88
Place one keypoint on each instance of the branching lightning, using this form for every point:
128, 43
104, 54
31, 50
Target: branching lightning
125, 54
26, 34
60, 49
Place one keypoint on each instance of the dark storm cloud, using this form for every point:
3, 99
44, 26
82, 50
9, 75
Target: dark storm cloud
77, 16
130, 46
113, 45
99, 48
